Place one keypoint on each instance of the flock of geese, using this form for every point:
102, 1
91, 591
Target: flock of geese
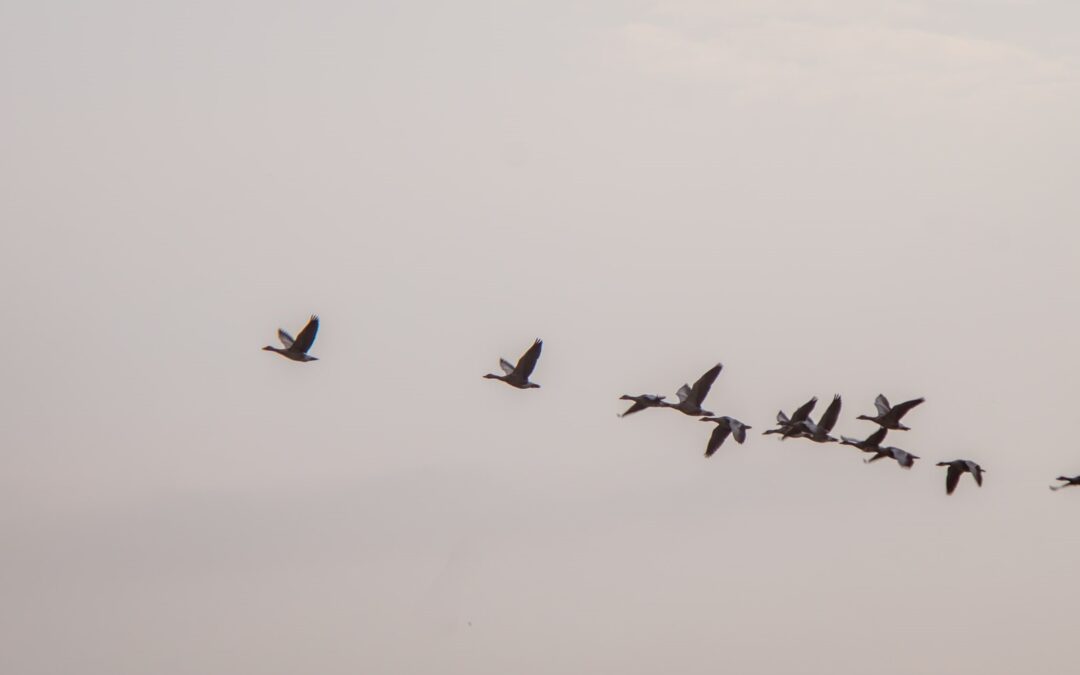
691, 399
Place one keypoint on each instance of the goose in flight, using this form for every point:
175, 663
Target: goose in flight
889, 416
297, 349
725, 426
691, 398
818, 432
902, 457
642, 402
518, 376
957, 467
786, 424
871, 443
1075, 480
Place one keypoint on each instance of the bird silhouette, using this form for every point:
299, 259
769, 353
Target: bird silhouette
725, 426
957, 468
297, 349
889, 416
518, 376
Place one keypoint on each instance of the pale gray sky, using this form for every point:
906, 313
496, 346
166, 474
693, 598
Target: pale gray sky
827, 196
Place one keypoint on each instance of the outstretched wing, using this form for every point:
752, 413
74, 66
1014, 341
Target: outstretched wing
952, 478
875, 439
506, 366
306, 338
882, 404
832, 413
901, 409
738, 430
976, 471
528, 360
803, 411
286, 339
704, 383
683, 393
719, 435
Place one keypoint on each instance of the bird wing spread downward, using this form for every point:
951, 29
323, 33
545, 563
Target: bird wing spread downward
306, 338
738, 429
719, 435
952, 478
506, 366
286, 339
704, 383
976, 471
528, 360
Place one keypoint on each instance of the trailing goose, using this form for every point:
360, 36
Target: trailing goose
958, 467
889, 416
518, 376
902, 457
784, 423
1075, 480
691, 398
297, 349
872, 443
725, 426
819, 432
642, 402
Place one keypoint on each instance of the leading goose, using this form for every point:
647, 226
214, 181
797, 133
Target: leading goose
958, 467
725, 426
297, 349
518, 376
691, 398
889, 416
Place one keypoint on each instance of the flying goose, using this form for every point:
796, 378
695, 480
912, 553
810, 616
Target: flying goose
784, 423
725, 426
1075, 480
956, 468
518, 376
642, 402
819, 432
691, 398
889, 416
297, 349
902, 457
872, 443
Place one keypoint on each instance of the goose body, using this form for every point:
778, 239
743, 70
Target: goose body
902, 457
889, 416
871, 443
957, 468
792, 426
725, 426
518, 375
297, 349
642, 402
1075, 480
819, 431
691, 398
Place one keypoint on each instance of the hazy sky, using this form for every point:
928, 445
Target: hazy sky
828, 196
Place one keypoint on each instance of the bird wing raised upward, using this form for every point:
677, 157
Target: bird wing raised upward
882, 404
506, 366
528, 360
832, 413
306, 338
683, 393
952, 478
704, 383
877, 437
286, 339
803, 411
900, 409
719, 435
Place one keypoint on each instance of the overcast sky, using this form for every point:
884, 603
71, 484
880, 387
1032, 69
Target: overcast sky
828, 196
